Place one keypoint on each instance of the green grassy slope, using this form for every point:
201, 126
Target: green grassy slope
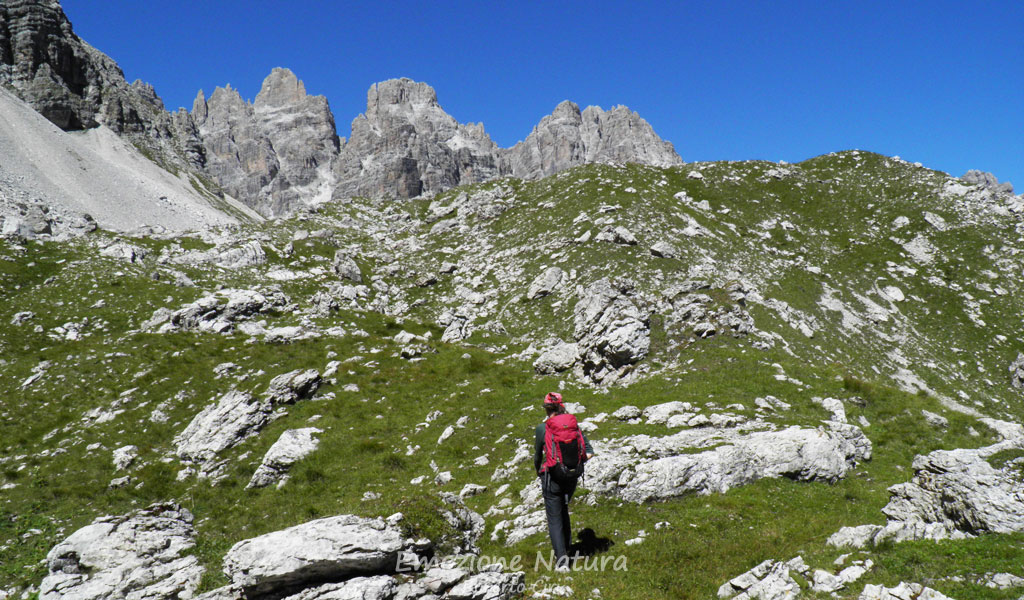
804, 240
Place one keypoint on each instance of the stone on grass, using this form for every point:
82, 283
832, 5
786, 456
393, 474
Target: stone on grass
556, 359
290, 448
545, 283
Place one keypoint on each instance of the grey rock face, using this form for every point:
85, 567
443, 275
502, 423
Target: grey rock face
769, 580
293, 386
468, 525
987, 181
140, 555
239, 156
77, 87
487, 586
405, 145
640, 468
379, 587
290, 448
300, 129
663, 249
273, 153
617, 235
237, 416
1017, 372
328, 549
217, 312
247, 255
611, 331
567, 138
903, 591
346, 267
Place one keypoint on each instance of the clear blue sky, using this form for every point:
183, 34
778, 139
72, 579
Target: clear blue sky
936, 82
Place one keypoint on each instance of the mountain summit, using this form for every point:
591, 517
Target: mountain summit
282, 150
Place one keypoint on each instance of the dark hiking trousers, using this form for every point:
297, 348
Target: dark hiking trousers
556, 505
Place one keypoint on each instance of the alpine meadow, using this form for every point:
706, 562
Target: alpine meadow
242, 357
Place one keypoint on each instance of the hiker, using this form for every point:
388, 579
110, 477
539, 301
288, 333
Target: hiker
560, 451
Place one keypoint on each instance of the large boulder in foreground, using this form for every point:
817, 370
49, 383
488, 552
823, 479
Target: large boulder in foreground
324, 550
139, 556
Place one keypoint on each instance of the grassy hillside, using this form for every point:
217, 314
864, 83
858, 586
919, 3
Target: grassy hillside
885, 285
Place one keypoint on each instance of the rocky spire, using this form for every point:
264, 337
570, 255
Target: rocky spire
270, 154
405, 145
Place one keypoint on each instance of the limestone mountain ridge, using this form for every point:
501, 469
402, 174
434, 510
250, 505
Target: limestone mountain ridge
282, 151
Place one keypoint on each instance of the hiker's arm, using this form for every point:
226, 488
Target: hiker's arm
586, 447
538, 450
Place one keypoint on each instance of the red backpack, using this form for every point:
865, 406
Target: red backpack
564, 448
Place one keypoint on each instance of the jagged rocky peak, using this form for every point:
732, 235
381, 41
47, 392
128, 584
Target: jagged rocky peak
274, 153
238, 155
280, 88
302, 132
568, 137
405, 145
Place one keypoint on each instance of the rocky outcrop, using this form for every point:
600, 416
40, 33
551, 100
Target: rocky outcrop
140, 555
290, 448
216, 313
954, 493
770, 580
325, 550
1017, 372
273, 153
611, 332
559, 357
377, 587
235, 417
640, 468
987, 181
568, 138
405, 145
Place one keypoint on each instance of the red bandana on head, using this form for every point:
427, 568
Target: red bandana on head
553, 398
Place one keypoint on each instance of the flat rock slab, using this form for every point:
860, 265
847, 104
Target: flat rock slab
642, 468
324, 550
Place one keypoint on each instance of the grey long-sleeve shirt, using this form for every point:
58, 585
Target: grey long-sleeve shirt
538, 454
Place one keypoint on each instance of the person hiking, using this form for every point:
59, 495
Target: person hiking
560, 451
